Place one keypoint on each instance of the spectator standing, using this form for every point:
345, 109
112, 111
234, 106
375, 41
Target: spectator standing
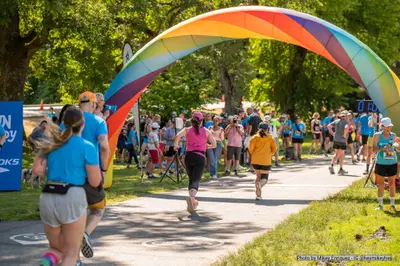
131, 145
214, 153
234, 133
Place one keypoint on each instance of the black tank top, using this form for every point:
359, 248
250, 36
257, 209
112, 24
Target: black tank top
316, 127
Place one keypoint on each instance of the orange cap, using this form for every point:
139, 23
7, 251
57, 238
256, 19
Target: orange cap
86, 97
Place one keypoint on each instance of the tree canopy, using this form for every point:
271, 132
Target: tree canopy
55, 49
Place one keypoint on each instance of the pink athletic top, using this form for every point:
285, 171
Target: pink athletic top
196, 142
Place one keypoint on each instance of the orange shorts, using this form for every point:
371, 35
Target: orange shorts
98, 205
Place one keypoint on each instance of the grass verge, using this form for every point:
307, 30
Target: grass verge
327, 227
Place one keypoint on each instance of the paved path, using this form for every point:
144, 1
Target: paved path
155, 229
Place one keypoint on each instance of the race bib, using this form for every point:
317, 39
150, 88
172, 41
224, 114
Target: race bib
388, 155
297, 133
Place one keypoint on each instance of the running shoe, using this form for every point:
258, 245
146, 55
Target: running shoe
235, 172
354, 161
214, 177
331, 170
365, 172
227, 173
258, 189
241, 167
259, 198
277, 164
393, 208
190, 208
79, 263
86, 248
379, 208
342, 172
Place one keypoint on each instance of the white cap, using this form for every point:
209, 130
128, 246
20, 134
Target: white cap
386, 122
344, 113
155, 125
267, 118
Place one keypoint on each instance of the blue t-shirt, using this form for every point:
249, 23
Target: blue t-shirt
327, 120
51, 114
297, 131
365, 129
131, 134
208, 124
67, 164
2, 131
288, 124
94, 127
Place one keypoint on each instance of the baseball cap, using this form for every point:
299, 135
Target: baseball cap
386, 122
344, 113
155, 125
87, 96
263, 125
267, 118
197, 115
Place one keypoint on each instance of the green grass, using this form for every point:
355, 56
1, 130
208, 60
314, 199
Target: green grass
24, 204
327, 227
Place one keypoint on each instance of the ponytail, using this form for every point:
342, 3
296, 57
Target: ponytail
73, 121
196, 125
262, 133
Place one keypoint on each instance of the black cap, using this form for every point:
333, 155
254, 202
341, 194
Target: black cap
263, 125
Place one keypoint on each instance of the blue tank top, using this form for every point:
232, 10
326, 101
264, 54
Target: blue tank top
384, 157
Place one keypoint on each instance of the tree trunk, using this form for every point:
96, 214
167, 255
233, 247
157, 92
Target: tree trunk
15, 54
232, 98
289, 102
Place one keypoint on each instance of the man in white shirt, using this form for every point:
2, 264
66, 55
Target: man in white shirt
154, 149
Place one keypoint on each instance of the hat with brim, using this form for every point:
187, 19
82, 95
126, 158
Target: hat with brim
155, 125
386, 122
344, 113
197, 115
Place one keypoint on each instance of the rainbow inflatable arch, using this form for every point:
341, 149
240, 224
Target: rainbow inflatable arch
314, 34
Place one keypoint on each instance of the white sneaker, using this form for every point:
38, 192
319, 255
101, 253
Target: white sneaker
259, 198
241, 167
214, 177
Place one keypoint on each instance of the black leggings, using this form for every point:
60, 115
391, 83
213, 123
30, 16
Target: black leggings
195, 164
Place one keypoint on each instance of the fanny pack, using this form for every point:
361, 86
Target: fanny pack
57, 188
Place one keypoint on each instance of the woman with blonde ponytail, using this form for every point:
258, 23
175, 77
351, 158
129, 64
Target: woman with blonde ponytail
67, 161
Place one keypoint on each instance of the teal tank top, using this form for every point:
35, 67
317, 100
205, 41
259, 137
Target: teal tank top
386, 157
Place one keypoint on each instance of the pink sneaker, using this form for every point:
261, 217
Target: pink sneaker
190, 206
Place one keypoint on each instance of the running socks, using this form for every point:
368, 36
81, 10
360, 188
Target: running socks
49, 259
392, 199
192, 193
380, 201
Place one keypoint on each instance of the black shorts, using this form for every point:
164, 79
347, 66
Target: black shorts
298, 141
170, 153
350, 139
261, 167
364, 139
316, 136
286, 135
339, 146
386, 170
328, 135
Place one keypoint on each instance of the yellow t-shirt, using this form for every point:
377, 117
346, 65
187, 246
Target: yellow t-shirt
262, 149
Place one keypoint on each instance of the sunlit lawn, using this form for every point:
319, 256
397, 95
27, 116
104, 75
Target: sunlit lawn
127, 184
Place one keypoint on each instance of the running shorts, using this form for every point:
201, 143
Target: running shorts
233, 151
316, 136
286, 135
364, 139
298, 141
56, 209
386, 170
170, 152
154, 156
339, 146
328, 135
350, 139
262, 167
370, 142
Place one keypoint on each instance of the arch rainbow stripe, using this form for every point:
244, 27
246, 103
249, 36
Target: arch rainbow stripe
314, 34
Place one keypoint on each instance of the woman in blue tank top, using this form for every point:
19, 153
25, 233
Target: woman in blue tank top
385, 147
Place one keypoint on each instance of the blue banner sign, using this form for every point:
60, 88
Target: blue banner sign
11, 118
365, 106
